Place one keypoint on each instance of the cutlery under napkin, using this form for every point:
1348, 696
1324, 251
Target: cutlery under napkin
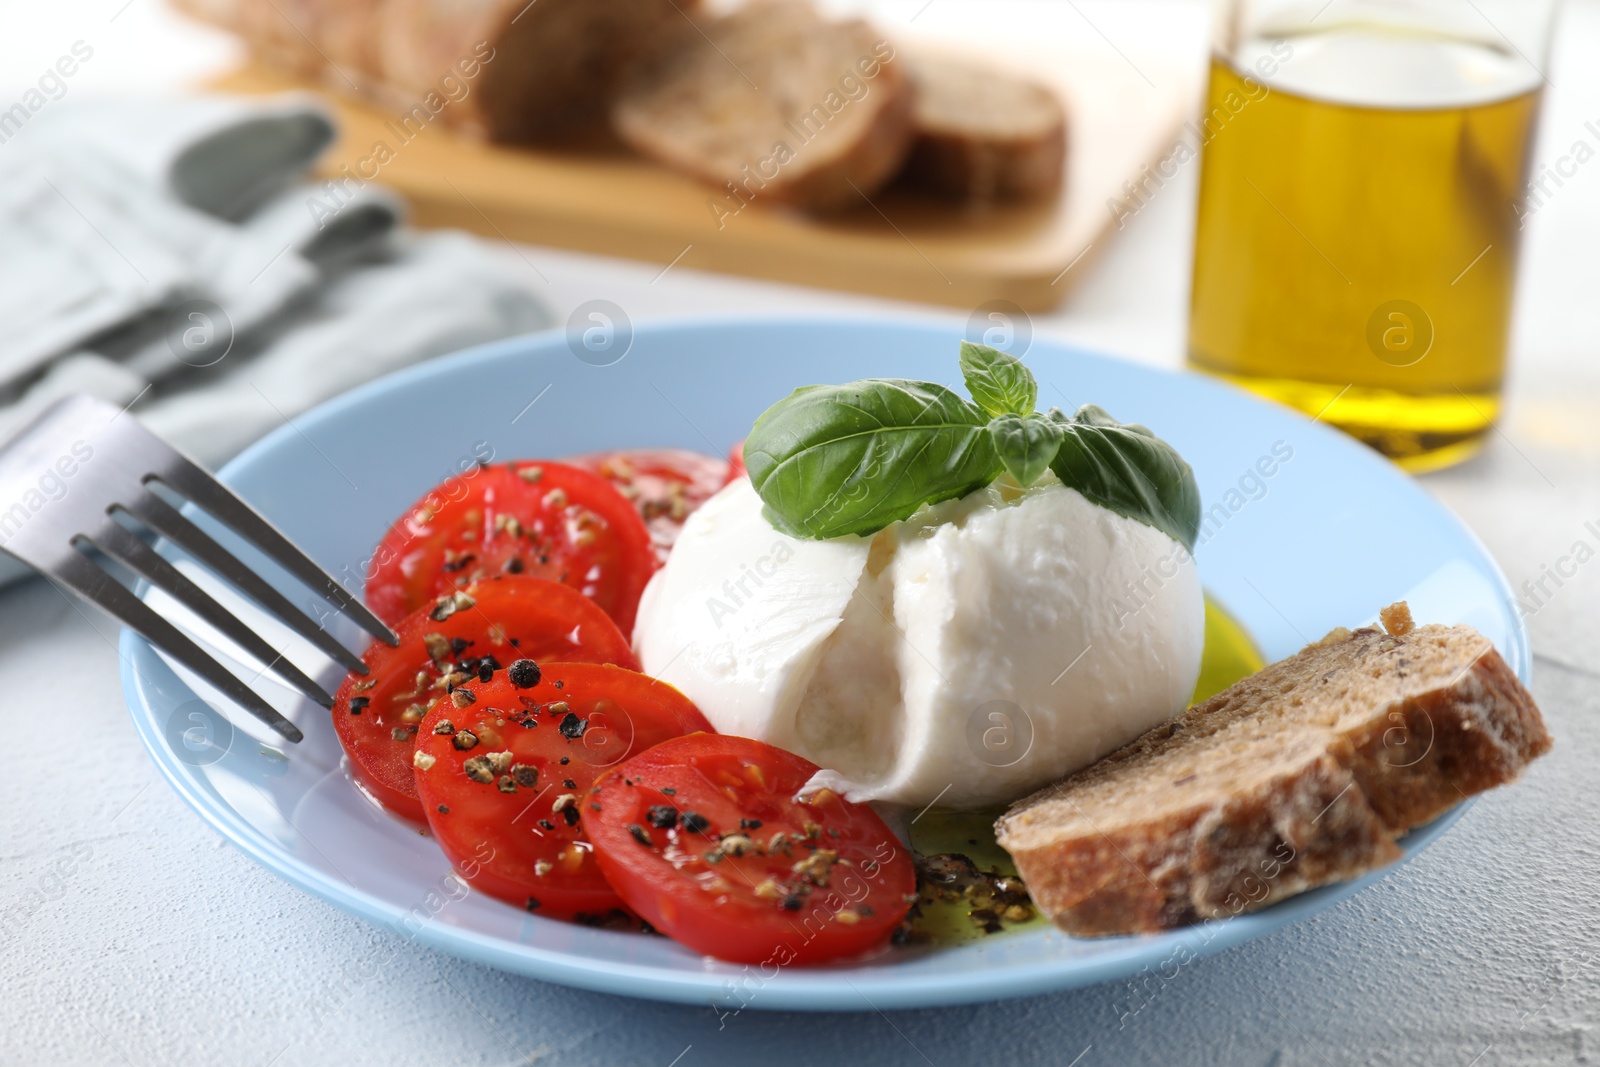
173, 255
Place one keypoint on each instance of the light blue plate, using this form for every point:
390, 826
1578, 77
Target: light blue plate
1324, 539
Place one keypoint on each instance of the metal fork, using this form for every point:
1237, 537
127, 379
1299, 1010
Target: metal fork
71, 475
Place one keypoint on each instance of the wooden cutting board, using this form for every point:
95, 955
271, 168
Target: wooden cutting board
1125, 112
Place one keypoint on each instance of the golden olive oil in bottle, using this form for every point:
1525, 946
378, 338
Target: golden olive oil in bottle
1356, 242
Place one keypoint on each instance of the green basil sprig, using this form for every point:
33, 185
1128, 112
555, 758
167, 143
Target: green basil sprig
830, 460
999, 382
1129, 470
850, 459
1026, 444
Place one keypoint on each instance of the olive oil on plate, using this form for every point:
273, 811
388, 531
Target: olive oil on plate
947, 916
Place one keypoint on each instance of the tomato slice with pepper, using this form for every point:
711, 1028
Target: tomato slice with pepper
468, 635
707, 839
543, 519
665, 484
502, 768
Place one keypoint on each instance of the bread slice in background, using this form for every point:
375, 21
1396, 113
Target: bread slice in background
556, 63
775, 103
1300, 775
500, 70
983, 134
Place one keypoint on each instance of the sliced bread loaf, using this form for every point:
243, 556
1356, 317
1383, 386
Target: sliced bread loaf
983, 133
502, 70
775, 102
540, 70
1300, 775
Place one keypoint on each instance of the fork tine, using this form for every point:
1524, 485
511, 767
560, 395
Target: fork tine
78, 573
126, 547
194, 482
167, 521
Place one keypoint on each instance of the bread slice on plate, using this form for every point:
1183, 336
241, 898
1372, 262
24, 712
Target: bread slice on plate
1300, 775
984, 134
775, 102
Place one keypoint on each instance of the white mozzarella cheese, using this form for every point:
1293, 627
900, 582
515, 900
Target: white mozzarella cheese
982, 648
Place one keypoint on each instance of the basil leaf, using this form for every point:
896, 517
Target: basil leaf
1128, 469
1026, 444
999, 383
830, 460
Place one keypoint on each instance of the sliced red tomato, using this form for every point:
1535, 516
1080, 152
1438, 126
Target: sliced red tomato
706, 839
665, 484
736, 468
503, 769
473, 634
544, 519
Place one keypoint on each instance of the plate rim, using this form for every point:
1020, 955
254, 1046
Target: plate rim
818, 989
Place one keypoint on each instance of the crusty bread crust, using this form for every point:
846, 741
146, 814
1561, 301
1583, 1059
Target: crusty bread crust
868, 164
776, 102
983, 134
557, 63
1319, 763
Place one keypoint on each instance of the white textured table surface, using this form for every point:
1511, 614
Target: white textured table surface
131, 934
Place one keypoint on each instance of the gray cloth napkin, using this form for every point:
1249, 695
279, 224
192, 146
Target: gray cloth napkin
223, 155
173, 255
328, 346
170, 250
